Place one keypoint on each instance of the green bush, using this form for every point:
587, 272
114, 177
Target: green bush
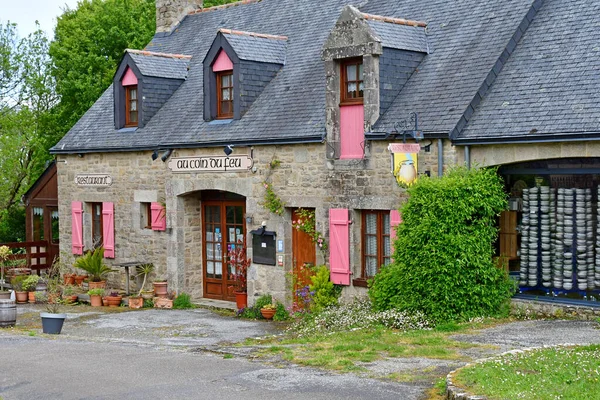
444, 247
182, 302
281, 314
325, 292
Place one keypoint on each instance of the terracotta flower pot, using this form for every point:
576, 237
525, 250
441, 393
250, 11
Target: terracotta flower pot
71, 298
161, 302
112, 301
267, 313
136, 302
96, 301
31, 297
97, 285
241, 299
69, 279
21, 297
79, 279
160, 289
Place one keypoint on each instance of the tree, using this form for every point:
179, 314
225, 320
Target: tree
88, 43
26, 102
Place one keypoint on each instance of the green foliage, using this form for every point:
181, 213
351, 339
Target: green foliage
17, 283
307, 223
89, 42
30, 283
148, 303
144, 270
325, 292
96, 292
444, 247
281, 314
92, 262
182, 302
12, 225
272, 202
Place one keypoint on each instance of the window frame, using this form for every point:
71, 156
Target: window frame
146, 215
380, 235
344, 99
128, 102
95, 223
219, 78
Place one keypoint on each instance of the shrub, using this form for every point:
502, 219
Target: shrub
444, 247
182, 301
253, 312
281, 314
325, 293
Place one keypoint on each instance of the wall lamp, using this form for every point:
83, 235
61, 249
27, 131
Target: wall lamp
154, 155
166, 155
228, 150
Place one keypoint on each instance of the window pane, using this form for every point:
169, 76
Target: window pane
351, 72
133, 94
351, 90
386, 223
226, 107
225, 94
133, 116
218, 270
210, 267
371, 266
371, 245
386, 246
371, 227
226, 81
361, 88
360, 72
133, 106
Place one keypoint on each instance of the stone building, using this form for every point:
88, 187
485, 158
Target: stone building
311, 102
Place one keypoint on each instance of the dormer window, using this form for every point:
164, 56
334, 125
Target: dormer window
352, 78
131, 106
225, 95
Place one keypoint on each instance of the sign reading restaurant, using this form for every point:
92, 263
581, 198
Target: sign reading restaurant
211, 164
96, 180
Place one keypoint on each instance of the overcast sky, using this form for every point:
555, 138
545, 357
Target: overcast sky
25, 12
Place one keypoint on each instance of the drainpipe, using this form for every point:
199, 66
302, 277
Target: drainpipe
440, 157
468, 157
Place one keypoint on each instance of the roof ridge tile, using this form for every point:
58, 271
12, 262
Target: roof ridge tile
397, 21
156, 54
223, 6
259, 35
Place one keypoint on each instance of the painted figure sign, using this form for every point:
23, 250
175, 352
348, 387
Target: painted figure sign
405, 165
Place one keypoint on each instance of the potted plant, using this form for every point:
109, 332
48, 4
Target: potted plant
113, 299
69, 295
4, 254
160, 287
96, 296
17, 285
29, 285
142, 271
53, 319
92, 262
164, 302
239, 263
268, 311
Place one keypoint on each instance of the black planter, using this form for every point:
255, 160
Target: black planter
52, 323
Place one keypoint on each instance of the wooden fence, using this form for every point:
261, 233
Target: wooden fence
34, 254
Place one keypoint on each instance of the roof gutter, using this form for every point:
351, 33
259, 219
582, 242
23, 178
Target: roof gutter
266, 142
562, 137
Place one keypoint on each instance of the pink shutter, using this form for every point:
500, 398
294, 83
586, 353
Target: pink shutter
158, 216
339, 246
352, 131
77, 227
108, 229
395, 220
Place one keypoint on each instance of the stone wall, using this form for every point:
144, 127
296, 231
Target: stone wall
304, 178
169, 13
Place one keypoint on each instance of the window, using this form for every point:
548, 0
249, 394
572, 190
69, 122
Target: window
131, 104
146, 215
376, 241
38, 223
54, 222
352, 81
225, 95
97, 239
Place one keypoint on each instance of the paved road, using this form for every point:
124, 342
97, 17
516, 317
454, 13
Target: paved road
39, 368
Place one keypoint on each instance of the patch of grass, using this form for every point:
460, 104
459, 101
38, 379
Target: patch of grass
563, 372
31, 333
228, 356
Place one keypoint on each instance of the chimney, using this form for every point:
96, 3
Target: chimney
169, 13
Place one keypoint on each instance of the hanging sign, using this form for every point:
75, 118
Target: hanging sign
94, 180
211, 164
405, 162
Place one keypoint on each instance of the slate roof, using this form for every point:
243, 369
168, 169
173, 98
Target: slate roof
466, 39
550, 85
161, 65
256, 47
402, 37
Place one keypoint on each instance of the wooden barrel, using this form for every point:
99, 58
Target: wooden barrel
8, 313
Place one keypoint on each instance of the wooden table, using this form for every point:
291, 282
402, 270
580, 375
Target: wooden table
127, 265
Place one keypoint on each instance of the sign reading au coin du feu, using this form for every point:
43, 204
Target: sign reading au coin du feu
95, 180
211, 164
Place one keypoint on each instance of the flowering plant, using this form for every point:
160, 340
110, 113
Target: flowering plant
306, 223
272, 202
238, 266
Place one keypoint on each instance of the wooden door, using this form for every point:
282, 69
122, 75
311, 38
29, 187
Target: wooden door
223, 228
52, 233
303, 251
